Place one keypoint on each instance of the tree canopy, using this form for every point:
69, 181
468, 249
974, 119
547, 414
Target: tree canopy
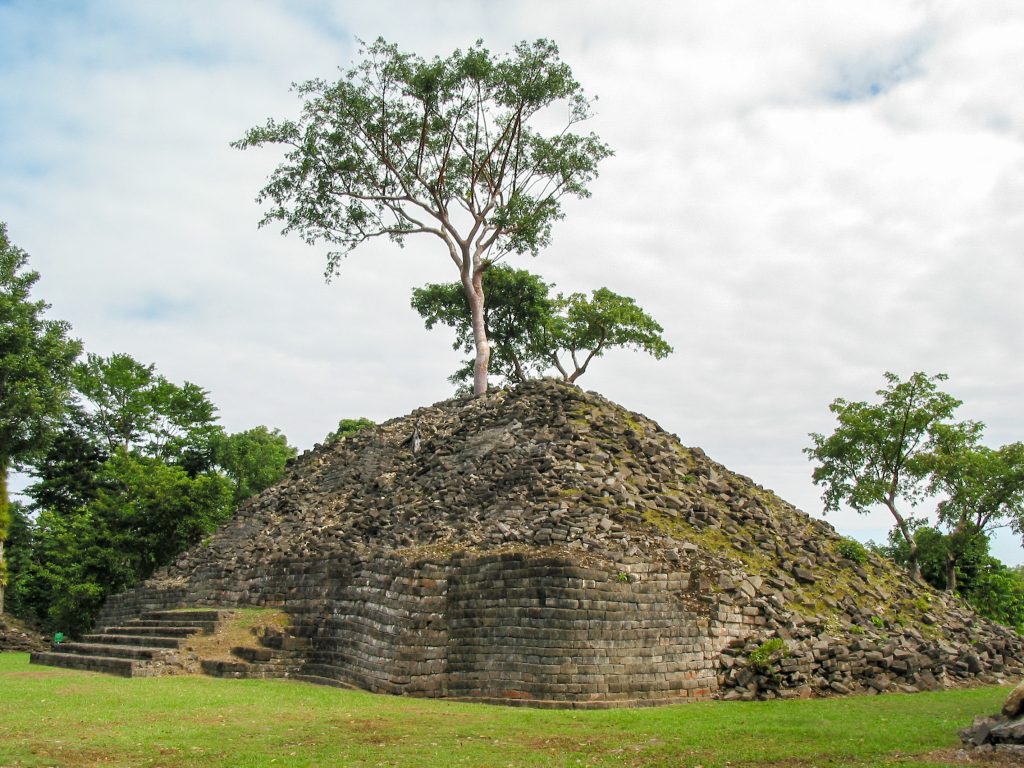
253, 460
132, 408
984, 490
454, 147
35, 362
880, 453
533, 332
138, 471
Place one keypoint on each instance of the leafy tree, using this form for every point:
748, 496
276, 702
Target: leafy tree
997, 592
67, 474
447, 147
347, 428
880, 453
132, 408
35, 360
532, 332
984, 490
933, 554
605, 321
988, 585
144, 513
517, 320
253, 460
20, 558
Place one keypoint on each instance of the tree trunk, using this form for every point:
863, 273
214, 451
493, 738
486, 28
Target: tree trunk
5, 524
912, 564
950, 572
474, 290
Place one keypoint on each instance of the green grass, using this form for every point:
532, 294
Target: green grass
55, 717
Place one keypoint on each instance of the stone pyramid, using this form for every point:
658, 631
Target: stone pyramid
544, 546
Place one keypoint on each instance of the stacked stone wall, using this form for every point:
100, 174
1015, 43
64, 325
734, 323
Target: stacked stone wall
510, 628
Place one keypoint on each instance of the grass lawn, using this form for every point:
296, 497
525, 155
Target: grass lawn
57, 717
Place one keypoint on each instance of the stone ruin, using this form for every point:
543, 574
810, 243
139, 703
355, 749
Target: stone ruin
1003, 732
544, 546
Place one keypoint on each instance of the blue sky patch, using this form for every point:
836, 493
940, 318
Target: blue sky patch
876, 72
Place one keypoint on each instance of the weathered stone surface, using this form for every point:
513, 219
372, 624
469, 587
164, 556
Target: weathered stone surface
15, 635
1014, 704
544, 546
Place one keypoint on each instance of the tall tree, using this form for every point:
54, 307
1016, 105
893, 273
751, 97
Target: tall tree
35, 361
447, 147
132, 408
880, 453
984, 490
533, 332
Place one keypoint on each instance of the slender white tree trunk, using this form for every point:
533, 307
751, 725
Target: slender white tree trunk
475, 295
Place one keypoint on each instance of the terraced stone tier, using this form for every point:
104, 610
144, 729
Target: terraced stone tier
145, 646
106, 664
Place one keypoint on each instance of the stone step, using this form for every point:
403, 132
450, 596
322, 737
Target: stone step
318, 680
138, 631
207, 627
185, 616
143, 641
253, 655
112, 651
106, 664
225, 668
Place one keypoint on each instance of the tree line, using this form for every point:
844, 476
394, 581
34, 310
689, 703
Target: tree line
908, 447
128, 468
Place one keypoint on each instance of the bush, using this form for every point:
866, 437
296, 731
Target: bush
852, 549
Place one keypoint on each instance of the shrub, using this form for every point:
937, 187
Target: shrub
761, 657
853, 550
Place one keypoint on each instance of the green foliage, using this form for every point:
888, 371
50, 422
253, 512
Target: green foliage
66, 475
878, 621
347, 428
145, 512
997, 592
137, 472
449, 147
132, 408
398, 141
853, 550
518, 318
984, 488
532, 332
253, 460
881, 453
762, 658
35, 360
992, 589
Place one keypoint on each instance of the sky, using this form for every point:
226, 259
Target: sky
805, 194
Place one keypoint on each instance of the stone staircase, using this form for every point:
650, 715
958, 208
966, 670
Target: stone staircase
280, 655
143, 647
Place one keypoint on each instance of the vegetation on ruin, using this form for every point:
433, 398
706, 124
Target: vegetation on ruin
476, 149
61, 717
534, 334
